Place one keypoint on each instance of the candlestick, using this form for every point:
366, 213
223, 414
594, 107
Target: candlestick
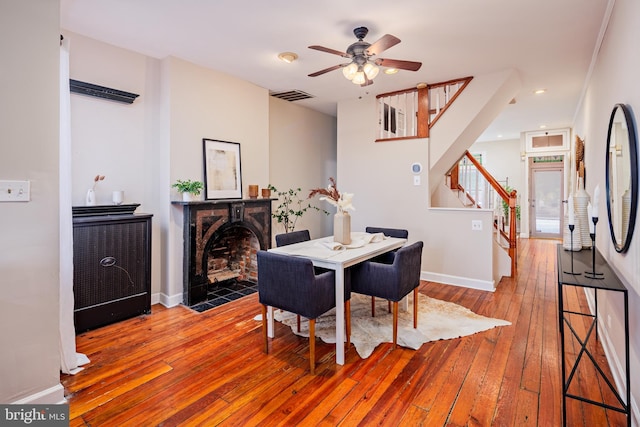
593, 274
596, 200
573, 273
592, 224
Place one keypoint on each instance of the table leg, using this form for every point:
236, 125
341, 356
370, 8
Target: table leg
340, 316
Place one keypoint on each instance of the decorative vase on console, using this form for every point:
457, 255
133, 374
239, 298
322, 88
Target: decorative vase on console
91, 198
91, 193
581, 200
342, 227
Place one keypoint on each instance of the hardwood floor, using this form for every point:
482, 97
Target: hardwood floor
180, 367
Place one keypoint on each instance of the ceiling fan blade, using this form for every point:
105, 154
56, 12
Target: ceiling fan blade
329, 50
382, 44
326, 70
396, 63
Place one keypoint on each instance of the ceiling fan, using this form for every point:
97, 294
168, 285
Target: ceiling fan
363, 67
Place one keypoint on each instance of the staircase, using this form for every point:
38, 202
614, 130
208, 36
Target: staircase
475, 187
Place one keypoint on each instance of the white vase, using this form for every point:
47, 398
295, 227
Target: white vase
581, 201
342, 228
91, 198
187, 197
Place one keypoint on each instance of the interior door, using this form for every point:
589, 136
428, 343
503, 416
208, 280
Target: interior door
546, 177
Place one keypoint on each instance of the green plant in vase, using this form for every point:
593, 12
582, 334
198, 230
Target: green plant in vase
188, 188
291, 207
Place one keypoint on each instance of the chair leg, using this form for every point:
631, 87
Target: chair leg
373, 306
415, 308
298, 322
312, 345
389, 306
347, 310
264, 328
395, 324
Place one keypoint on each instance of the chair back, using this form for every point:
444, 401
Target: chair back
389, 232
292, 237
407, 264
290, 283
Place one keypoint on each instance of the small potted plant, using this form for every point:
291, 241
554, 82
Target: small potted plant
188, 188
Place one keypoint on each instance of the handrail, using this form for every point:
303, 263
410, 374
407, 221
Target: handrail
510, 199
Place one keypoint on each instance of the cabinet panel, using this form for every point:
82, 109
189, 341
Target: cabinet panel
112, 269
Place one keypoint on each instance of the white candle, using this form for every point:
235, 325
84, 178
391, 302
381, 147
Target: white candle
572, 212
596, 198
118, 196
589, 216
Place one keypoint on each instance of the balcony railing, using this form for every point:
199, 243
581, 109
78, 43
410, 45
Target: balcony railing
410, 113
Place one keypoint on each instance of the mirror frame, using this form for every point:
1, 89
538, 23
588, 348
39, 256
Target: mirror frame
622, 246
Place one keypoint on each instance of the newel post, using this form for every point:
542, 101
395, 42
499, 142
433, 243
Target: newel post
513, 253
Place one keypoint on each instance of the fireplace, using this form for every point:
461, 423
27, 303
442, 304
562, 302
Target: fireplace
221, 241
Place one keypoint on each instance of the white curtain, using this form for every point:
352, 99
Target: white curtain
70, 361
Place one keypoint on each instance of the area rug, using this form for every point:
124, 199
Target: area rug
437, 320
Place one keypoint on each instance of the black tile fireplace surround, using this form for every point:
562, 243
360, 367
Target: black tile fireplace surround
208, 223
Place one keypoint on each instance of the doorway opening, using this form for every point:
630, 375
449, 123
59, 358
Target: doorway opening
546, 181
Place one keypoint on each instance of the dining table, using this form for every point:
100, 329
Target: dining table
326, 253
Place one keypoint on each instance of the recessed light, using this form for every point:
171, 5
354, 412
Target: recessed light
499, 136
288, 57
539, 91
421, 85
390, 70
543, 126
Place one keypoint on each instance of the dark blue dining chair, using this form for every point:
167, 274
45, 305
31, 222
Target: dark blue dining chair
386, 258
285, 239
391, 281
291, 284
292, 237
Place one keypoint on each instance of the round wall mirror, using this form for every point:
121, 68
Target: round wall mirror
622, 176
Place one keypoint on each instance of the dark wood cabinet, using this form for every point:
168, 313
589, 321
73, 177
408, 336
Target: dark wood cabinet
112, 268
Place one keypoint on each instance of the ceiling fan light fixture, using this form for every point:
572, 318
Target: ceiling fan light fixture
288, 57
350, 71
371, 70
390, 70
359, 78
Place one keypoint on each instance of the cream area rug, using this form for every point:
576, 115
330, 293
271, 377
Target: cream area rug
437, 320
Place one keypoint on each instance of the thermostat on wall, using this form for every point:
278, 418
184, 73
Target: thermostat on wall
416, 168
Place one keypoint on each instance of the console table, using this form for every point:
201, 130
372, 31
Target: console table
608, 281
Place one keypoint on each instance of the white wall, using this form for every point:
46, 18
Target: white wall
302, 154
615, 80
29, 244
380, 176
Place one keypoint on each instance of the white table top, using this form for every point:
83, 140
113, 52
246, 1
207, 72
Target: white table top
320, 252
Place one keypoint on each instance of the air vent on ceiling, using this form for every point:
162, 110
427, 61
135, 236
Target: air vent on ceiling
292, 95
90, 89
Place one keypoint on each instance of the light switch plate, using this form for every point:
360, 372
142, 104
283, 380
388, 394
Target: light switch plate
15, 191
416, 180
476, 225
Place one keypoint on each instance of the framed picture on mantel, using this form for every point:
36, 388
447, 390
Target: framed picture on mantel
222, 176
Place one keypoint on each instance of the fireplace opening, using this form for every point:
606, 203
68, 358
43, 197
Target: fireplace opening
230, 259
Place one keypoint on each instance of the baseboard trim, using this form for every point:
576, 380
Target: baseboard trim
169, 301
52, 395
465, 282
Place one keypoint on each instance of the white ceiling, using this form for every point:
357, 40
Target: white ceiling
549, 42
